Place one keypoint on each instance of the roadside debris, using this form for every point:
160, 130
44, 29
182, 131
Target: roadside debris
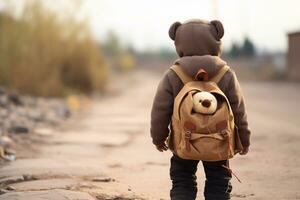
29, 177
11, 180
22, 115
18, 129
102, 179
104, 197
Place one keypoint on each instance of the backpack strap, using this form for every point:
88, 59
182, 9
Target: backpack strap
185, 78
181, 74
220, 74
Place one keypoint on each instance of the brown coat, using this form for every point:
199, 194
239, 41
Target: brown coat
170, 85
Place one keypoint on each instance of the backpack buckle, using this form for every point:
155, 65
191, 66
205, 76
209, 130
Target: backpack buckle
188, 134
224, 133
189, 127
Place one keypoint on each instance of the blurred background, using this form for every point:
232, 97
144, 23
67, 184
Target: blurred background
73, 46
78, 59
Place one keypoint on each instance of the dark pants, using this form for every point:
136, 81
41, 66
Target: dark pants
183, 176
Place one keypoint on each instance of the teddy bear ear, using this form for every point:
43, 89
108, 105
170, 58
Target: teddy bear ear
172, 30
218, 26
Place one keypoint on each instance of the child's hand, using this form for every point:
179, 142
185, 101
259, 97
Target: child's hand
162, 147
244, 151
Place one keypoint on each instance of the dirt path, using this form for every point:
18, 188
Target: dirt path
107, 152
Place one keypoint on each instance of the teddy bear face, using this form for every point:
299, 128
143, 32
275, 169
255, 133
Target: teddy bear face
197, 37
204, 103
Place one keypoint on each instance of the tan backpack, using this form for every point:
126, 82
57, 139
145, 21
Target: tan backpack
196, 136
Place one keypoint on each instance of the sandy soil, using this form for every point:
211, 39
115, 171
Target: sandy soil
106, 153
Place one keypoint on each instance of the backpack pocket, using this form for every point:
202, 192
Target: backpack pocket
206, 147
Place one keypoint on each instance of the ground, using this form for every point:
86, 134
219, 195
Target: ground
106, 152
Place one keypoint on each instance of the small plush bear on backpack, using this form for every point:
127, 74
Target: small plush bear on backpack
204, 103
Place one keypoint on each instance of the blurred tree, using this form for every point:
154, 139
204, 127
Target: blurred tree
131, 49
112, 44
248, 48
120, 59
235, 50
166, 52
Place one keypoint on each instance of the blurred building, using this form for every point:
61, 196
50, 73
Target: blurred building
293, 58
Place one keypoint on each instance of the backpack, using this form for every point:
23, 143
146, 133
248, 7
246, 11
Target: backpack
206, 137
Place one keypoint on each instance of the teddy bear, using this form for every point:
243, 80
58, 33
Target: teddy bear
204, 103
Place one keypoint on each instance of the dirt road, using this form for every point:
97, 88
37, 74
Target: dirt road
107, 153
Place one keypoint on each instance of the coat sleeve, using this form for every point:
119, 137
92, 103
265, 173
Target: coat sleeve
162, 110
237, 103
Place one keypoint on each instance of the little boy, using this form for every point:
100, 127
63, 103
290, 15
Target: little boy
198, 43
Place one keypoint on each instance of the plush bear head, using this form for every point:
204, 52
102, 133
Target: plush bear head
197, 37
204, 103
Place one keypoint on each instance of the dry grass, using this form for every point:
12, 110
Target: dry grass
42, 53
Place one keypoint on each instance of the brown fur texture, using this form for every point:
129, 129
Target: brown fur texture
197, 37
198, 43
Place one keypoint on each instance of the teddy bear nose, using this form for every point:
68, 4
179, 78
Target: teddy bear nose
206, 103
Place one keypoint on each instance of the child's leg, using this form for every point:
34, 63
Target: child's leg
217, 184
183, 178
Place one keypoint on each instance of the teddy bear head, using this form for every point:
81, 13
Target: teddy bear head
197, 37
204, 103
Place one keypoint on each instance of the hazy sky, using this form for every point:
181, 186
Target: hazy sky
145, 23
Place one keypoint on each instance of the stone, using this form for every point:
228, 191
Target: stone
29, 177
51, 118
3, 191
5, 141
15, 99
29, 101
10, 188
35, 115
106, 197
10, 157
18, 129
2, 91
57, 194
64, 112
10, 151
11, 180
103, 179
3, 101
46, 184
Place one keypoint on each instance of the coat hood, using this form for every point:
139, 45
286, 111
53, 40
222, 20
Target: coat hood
197, 37
192, 64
